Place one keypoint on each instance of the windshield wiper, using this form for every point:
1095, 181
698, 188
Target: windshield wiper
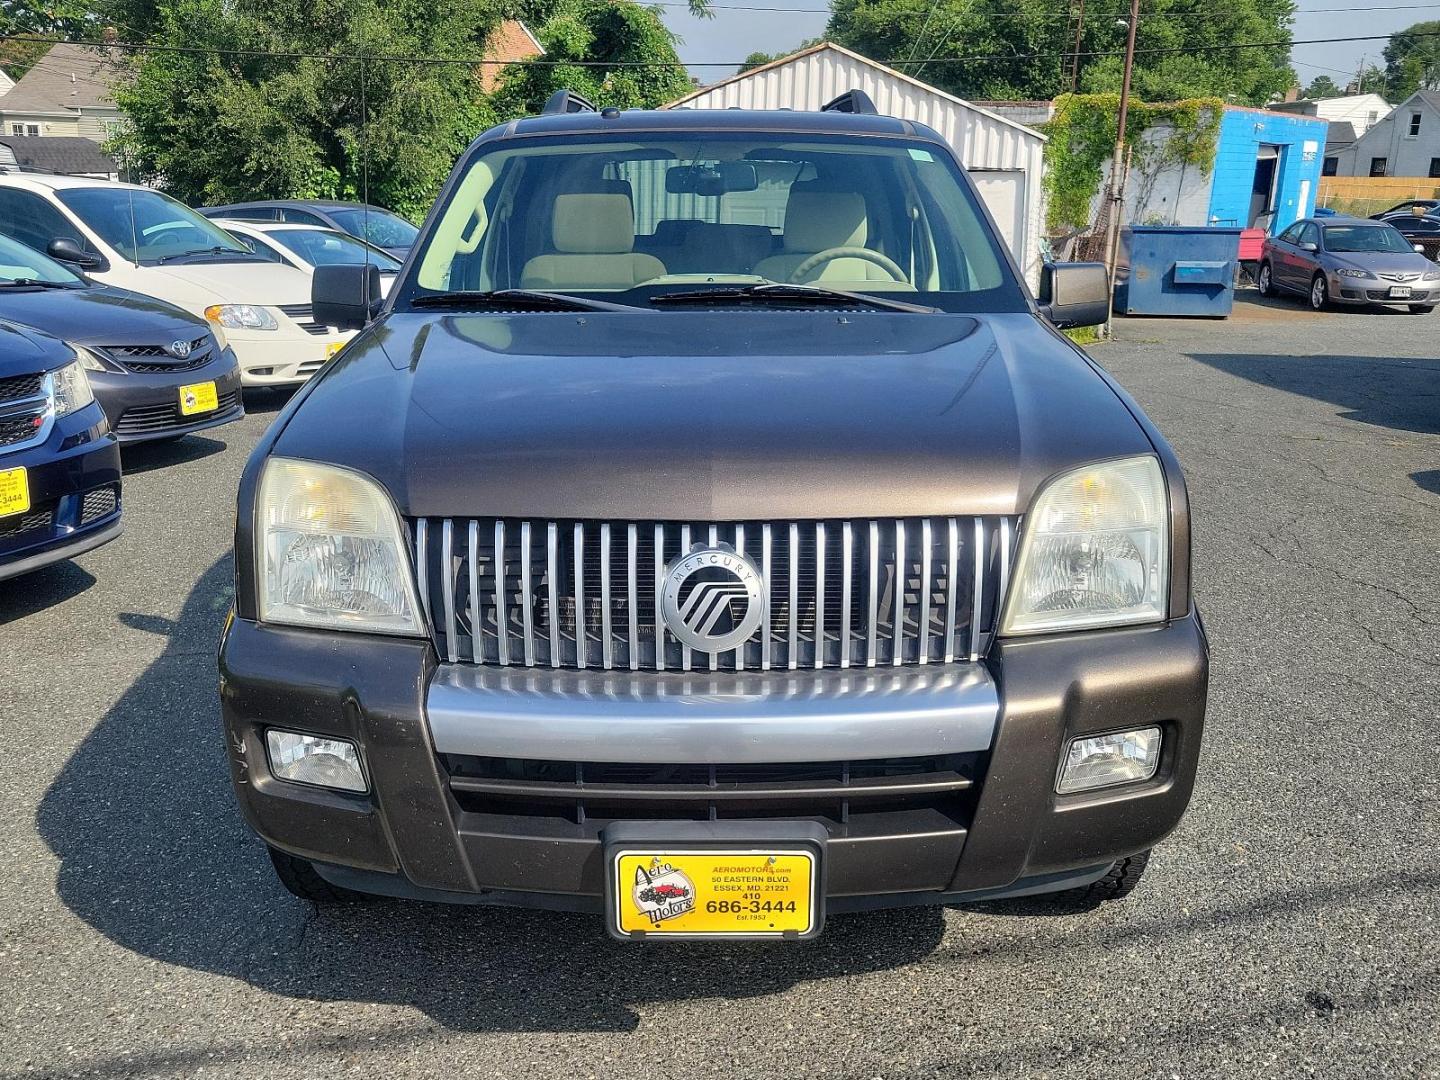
788, 294
529, 299
218, 249
37, 283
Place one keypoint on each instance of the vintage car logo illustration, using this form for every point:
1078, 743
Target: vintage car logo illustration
713, 599
178, 349
662, 892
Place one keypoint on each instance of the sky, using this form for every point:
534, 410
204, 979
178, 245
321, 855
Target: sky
736, 32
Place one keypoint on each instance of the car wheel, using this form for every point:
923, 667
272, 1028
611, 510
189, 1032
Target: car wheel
1319, 293
1265, 281
1119, 883
1421, 309
300, 878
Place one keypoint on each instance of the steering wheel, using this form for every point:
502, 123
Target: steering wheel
829, 255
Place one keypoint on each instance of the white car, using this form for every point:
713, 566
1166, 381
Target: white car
308, 246
136, 238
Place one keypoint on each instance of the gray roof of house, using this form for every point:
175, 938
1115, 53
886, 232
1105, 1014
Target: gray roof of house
1339, 133
66, 154
66, 79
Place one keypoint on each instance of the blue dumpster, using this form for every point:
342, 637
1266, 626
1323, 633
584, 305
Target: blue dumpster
1176, 270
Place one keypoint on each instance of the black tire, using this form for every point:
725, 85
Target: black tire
1265, 280
1119, 883
1319, 295
300, 878
1421, 309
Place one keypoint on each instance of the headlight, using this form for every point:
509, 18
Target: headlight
1346, 272
1432, 275
221, 341
70, 389
241, 317
331, 551
1095, 551
88, 360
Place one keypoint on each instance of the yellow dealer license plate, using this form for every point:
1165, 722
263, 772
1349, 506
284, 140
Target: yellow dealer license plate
14, 492
690, 893
197, 398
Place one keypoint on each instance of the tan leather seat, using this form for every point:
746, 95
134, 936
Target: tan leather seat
594, 240
816, 220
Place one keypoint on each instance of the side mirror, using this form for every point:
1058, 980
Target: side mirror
1074, 294
63, 249
1420, 248
346, 297
1309, 245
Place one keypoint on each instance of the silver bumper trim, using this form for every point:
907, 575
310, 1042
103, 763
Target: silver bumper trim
764, 717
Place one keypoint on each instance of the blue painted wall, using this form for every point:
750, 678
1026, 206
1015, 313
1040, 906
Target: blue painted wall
1241, 133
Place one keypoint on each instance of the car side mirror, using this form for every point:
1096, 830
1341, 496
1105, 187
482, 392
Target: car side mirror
63, 249
346, 297
1309, 245
1419, 247
1074, 294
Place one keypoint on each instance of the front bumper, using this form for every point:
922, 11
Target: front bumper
147, 406
74, 483
439, 822
1361, 292
284, 357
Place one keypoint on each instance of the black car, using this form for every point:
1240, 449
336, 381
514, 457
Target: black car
1428, 206
59, 461
1422, 230
725, 509
381, 227
159, 372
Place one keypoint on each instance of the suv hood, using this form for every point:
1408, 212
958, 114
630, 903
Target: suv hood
710, 416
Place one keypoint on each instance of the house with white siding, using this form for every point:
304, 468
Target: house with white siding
66, 93
1404, 143
1003, 157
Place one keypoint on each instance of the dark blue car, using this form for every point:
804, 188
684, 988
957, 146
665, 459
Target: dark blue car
59, 461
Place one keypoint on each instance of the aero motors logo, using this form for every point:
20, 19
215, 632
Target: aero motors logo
713, 599
662, 892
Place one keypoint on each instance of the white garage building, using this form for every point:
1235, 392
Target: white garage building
1003, 157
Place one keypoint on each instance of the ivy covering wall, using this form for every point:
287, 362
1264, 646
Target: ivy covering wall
1082, 138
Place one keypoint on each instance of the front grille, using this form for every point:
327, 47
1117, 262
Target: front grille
836, 792
21, 426
157, 359
37, 518
304, 314
1399, 277
98, 503
584, 594
1384, 294
20, 387
148, 418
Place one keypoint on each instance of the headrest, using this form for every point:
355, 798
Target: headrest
593, 224
675, 231
817, 218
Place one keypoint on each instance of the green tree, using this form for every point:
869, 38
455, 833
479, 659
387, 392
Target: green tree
1018, 48
1412, 61
50, 19
1322, 86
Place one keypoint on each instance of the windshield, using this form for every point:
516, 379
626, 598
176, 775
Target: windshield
161, 228
18, 262
1365, 238
326, 247
380, 227
636, 215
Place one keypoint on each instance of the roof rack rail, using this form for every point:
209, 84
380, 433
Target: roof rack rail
852, 101
566, 101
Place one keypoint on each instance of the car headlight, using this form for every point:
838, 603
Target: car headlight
241, 317
70, 389
1347, 272
1095, 551
1432, 275
221, 341
88, 360
331, 551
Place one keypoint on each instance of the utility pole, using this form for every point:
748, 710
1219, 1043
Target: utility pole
1078, 16
1117, 165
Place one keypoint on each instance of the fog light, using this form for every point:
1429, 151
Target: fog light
1123, 757
308, 759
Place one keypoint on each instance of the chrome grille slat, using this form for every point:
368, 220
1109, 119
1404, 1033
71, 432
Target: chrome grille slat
886, 592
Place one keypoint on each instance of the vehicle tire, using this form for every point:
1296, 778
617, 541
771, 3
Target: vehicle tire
1319, 293
1421, 309
300, 878
1265, 280
1120, 882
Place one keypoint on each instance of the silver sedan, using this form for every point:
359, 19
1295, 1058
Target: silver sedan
1340, 260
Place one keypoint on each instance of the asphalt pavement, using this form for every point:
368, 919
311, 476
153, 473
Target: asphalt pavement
1291, 927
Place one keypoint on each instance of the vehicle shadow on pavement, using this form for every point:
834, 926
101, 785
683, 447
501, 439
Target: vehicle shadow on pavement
45, 588
1388, 392
161, 455
1427, 481
154, 855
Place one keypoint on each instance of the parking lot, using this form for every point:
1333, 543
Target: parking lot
1291, 927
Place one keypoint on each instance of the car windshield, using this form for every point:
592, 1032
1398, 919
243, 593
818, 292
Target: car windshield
642, 213
380, 227
21, 263
147, 227
326, 247
1365, 238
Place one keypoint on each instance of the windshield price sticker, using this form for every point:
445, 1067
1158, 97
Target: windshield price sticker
688, 893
